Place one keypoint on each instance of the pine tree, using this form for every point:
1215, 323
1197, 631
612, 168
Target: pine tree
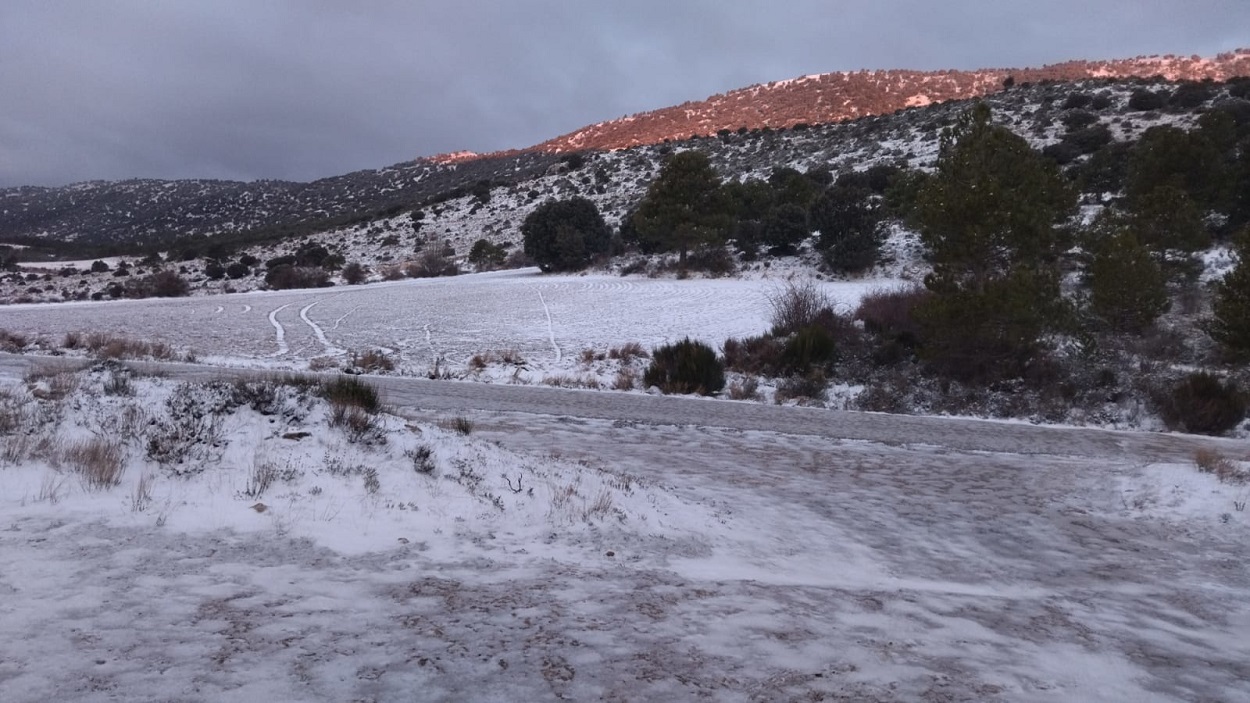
990, 216
848, 220
993, 205
1230, 322
1128, 289
684, 207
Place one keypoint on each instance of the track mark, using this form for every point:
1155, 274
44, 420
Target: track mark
279, 331
551, 332
247, 308
220, 309
320, 333
344, 317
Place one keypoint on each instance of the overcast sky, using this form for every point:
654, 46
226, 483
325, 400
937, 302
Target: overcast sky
302, 89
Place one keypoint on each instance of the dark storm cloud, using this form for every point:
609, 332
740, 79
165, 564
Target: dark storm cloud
301, 89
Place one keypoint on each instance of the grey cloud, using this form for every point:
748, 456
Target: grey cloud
307, 89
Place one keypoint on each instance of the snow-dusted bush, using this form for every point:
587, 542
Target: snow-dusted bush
686, 367
1203, 404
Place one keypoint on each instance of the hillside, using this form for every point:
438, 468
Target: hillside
134, 213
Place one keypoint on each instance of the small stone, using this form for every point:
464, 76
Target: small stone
260, 507
611, 553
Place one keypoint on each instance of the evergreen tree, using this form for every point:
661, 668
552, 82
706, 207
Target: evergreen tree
994, 204
784, 228
848, 221
1167, 218
1128, 289
563, 235
990, 216
684, 207
1230, 322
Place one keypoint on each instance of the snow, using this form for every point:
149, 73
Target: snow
546, 320
636, 562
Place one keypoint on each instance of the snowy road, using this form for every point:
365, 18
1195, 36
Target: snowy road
832, 556
952, 433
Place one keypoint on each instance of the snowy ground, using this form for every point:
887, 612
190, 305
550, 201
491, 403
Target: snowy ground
545, 322
546, 557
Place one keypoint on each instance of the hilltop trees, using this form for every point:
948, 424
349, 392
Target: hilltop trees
564, 235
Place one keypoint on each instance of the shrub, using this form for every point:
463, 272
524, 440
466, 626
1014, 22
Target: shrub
237, 270
372, 360
486, 255
1143, 99
355, 273
285, 276
1203, 404
214, 270
810, 386
359, 424
755, 355
685, 367
797, 306
810, 346
351, 391
432, 263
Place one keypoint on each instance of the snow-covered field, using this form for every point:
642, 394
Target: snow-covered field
671, 552
547, 320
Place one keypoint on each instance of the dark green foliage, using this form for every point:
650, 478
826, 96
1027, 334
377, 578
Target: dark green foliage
1106, 171
1077, 100
1128, 289
1167, 156
486, 255
214, 270
1230, 321
1203, 404
848, 220
810, 346
990, 333
784, 228
1191, 94
162, 284
684, 207
238, 269
286, 276
351, 392
1089, 139
1166, 218
565, 235
1079, 119
685, 367
1143, 99
790, 187
993, 204
99, 267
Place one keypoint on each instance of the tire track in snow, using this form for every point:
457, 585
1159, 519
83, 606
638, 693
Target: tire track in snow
317, 331
220, 309
551, 332
279, 331
344, 317
247, 308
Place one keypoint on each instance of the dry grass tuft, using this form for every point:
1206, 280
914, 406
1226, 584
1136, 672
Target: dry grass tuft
1212, 462
372, 361
97, 461
747, 388
628, 351
109, 346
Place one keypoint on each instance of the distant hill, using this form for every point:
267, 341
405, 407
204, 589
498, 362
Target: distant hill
103, 215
